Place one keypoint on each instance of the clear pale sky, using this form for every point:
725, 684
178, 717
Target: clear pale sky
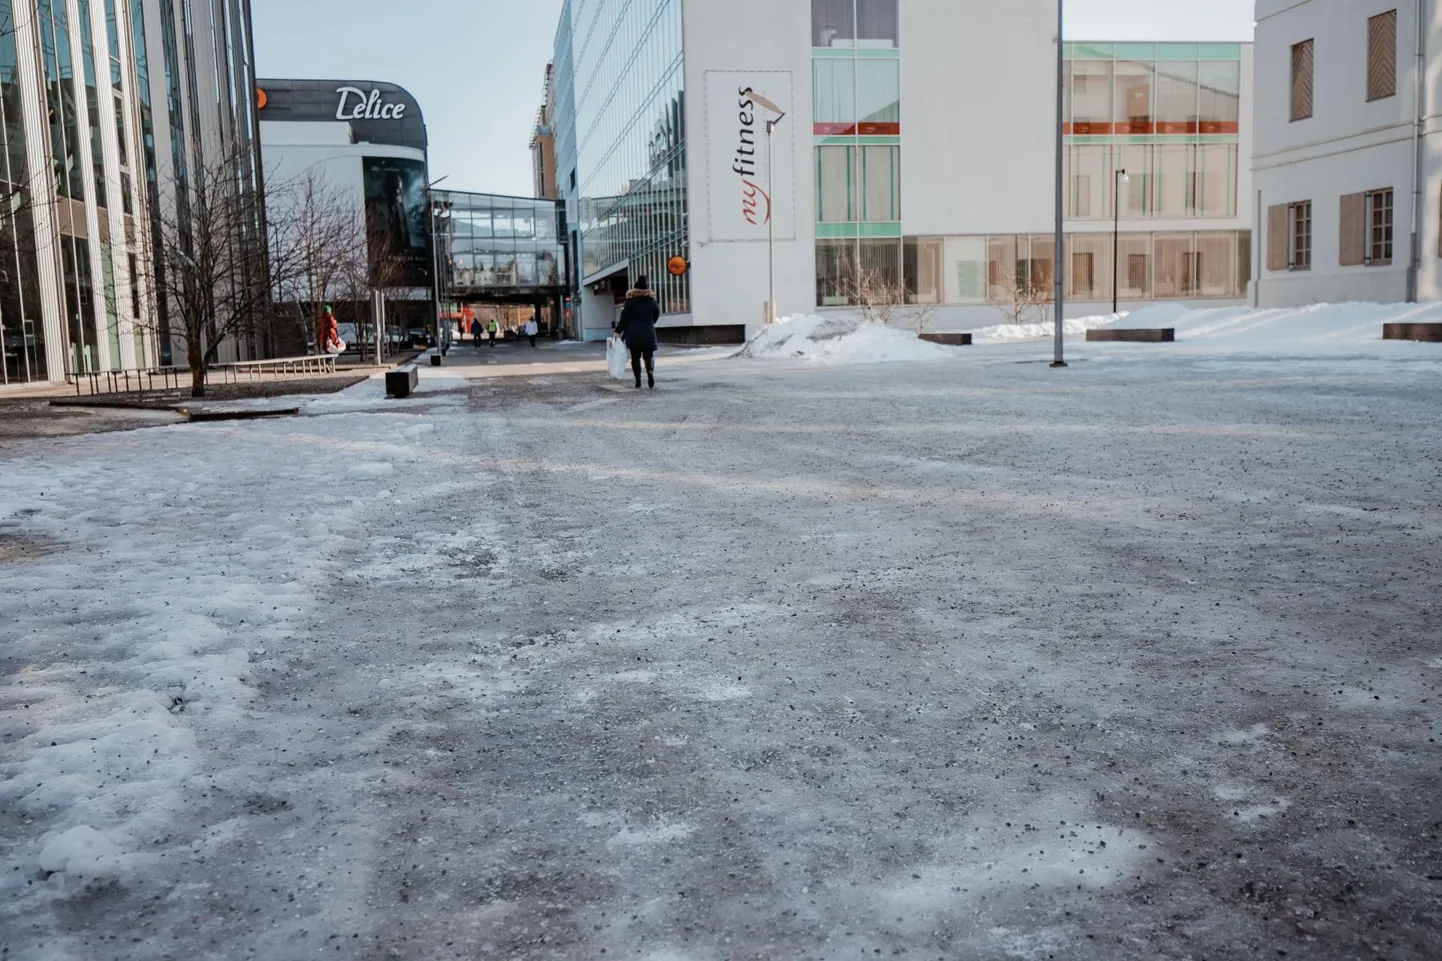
477, 66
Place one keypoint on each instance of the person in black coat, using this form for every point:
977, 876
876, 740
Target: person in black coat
637, 328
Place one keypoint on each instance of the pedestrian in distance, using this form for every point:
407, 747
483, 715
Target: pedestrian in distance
491, 329
532, 329
476, 332
327, 334
637, 328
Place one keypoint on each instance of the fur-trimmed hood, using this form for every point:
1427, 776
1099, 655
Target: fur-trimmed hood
639, 292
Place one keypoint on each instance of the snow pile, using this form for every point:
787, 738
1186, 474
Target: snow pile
1074, 326
1346, 329
82, 851
840, 341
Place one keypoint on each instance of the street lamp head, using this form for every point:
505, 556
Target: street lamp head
1122, 175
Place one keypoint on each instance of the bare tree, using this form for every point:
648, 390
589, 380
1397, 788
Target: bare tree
316, 239
881, 300
214, 275
1023, 296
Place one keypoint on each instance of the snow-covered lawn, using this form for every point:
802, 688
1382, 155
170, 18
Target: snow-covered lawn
959, 657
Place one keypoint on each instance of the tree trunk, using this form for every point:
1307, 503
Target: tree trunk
196, 357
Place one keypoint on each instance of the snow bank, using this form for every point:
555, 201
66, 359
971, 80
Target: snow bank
840, 341
1074, 326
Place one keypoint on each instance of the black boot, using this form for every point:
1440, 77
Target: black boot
650, 379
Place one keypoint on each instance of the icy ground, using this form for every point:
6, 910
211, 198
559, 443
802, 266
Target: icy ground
963, 659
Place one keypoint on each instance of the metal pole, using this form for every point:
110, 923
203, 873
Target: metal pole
1059, 258
770, 227
1116, 229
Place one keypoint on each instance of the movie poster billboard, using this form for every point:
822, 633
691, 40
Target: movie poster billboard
397, 224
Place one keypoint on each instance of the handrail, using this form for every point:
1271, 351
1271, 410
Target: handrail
143, 380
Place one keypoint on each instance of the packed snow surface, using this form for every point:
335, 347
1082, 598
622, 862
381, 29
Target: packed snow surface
1133, 661
840, 340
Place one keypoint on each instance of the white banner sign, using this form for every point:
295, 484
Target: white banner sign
745, 192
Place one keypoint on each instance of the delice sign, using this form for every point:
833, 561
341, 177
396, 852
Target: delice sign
747, 196
358, 104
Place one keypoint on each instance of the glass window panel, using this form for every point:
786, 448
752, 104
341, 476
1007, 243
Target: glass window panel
877, 24
1135, 256
1001, 275
1216, 265
1175, 275
878, 97
1132, 111
881, 268
1220, 97
881, 183
1090, 173
966, 270
1136, 195
835, 270
1036, 270
834, 96
1216, 180
1175, 181
833, 23
1091, 103
834, 180
523, 222
1176, 100
1090, 274
923, 260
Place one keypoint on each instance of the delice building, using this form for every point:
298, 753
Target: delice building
361, 144
905, 147
109, 111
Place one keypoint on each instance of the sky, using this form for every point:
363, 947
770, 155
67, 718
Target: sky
477, 67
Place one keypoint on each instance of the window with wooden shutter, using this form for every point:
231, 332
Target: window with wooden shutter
1379, 226
1352, 240
1302, 80
1299, 256
1277, 237
1382, 56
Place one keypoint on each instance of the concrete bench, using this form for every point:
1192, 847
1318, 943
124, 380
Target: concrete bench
1427, 333
948, 340
401, 382
1140, 335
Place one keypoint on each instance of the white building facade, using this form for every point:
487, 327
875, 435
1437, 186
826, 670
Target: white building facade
1348, 163
915, 157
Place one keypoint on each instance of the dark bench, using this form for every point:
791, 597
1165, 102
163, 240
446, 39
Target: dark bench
1427, 333
1140, 335
948, 340
401, 382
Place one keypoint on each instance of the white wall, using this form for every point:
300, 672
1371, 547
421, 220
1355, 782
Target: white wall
978, 134
729, 277
1347, 146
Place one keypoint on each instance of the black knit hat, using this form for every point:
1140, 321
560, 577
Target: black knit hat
641, 283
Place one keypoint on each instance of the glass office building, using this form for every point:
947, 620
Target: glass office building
104, 108
499, 245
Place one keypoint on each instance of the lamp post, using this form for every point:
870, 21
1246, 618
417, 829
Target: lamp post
1121, 178
1059, 360
434, 209
771, 201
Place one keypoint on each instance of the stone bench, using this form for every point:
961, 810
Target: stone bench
1140, 335
1427, 333
948, 340
401, 382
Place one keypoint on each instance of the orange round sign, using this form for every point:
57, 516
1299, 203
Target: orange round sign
677, 266
260, 99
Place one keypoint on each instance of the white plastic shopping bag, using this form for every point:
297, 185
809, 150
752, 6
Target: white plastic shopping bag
616, 358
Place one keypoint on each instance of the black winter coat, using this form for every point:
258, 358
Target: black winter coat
638, 320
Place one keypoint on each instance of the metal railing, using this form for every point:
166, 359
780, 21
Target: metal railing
142, 381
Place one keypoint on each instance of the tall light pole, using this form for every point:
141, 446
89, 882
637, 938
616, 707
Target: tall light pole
433, 209
771, 202
1059, 256
1121, 178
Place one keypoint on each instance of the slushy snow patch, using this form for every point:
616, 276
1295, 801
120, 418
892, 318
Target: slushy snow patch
81, 850
1074, 326
841, 341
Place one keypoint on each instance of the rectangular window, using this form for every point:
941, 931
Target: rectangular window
1132, 113
835, 184
835, 272
833, 23
1382, 56
833, 97
880, 184
1299, 247
1379, 226
1302, 80
1176, 99
1091, 98
1219, 97
1089, 169
965, 272
921, 260
878, 24
878, 97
